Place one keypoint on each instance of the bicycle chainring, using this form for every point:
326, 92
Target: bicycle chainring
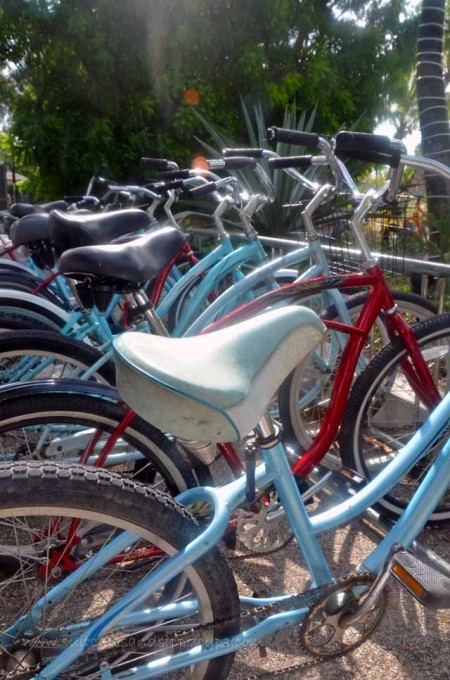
323, 631
266, 529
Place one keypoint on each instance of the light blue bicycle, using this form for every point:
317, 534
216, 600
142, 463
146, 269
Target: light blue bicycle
106, 578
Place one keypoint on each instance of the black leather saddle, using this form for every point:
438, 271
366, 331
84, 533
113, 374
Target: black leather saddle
136, 261
8, 221
30, 228
22, 209
73, 230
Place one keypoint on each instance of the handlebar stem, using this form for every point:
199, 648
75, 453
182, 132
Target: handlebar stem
225, 203
394, 183
366, 204
335, 167
325, 193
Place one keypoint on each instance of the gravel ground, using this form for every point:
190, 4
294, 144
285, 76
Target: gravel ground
410, 643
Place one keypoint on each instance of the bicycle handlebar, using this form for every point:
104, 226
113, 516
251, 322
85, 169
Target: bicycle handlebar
309, 139
303, 162
175, 174
158, 163
246, 153
367, 147
163, 187
232, 163
203, 190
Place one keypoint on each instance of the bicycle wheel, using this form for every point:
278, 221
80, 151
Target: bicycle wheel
304, 396
383, 412
40, 505
16, 320
33, 312
30, 355
63, 425
180, 306
20, 280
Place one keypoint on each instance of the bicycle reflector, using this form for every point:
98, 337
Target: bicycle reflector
425, 575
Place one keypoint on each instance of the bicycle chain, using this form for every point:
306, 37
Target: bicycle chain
292, 602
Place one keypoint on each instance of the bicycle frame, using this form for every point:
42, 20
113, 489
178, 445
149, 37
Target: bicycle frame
274, 470
213, 268
379, 300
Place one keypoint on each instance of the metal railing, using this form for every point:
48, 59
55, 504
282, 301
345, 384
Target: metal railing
405, 265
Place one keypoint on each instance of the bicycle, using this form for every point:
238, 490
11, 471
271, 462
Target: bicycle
295, 422
285, 294
185, 611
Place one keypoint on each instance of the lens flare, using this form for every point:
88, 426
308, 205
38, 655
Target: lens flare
191, 97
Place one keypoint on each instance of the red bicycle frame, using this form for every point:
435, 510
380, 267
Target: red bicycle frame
161, 279
9, 250
379, 299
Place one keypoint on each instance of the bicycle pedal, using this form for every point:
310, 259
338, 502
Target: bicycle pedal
425, 576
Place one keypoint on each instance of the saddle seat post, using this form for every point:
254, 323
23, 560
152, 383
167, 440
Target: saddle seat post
140, 302
275, 458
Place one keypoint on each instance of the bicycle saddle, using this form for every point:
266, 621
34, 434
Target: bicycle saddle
8, 221
137, 261
72, 230
32, 227
22, 209
214, 387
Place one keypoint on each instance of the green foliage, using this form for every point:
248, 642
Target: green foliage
274, 219
93, 80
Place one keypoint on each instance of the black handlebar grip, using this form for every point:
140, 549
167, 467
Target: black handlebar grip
309, 139
369, 148
245, 153
173, 186
291, 162
239, 162
163, 187
155, 163
203, 190
392, 159
175, 174
363, 141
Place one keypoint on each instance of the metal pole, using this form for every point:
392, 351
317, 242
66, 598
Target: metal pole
3, 188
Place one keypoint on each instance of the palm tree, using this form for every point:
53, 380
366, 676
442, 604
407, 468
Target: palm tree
433, 111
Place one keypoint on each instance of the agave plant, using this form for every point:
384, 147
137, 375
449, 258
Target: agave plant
277, 218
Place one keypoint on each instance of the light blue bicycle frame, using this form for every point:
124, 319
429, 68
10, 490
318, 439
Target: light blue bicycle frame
228, 299
274, 470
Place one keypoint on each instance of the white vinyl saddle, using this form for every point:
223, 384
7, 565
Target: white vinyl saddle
214, 387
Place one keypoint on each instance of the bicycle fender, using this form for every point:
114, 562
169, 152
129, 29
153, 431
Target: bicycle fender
9, 277
69, 386
34, 300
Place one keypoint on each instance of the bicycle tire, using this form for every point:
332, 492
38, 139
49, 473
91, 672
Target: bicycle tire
22, 281
32, 494
22, 352
300, 427
15, 320
370, 431
32, 314
62, 413
178, 307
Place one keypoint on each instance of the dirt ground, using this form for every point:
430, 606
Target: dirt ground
411, 643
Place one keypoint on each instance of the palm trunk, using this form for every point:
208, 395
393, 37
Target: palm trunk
433, 112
